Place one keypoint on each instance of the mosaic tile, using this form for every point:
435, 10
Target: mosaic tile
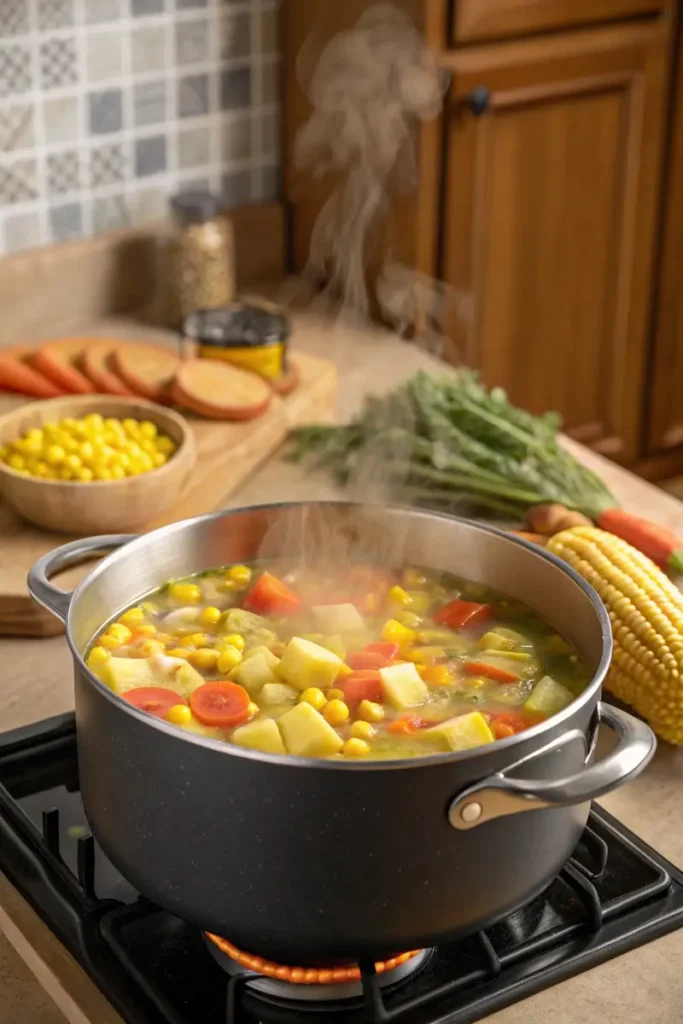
109, 213
63, 172
15, 70
95, 11
58, 62
55, 14
107, 164
16, 127
18, 182
194, 147
236, 188
142, 7
235, 36
13, 17
236, 139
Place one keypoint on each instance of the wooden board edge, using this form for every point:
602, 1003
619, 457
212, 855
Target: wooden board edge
62, 978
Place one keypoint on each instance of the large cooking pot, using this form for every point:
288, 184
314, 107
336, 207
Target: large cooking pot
312, 861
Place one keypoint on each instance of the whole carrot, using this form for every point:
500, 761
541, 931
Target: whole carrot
658, 543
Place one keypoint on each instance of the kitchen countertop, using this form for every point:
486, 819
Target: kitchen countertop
646, 984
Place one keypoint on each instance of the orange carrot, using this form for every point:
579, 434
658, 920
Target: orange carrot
16, 375
658, 543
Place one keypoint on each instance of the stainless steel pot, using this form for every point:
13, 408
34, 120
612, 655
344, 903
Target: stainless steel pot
308, 861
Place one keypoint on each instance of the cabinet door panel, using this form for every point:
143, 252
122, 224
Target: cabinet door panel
476, 20
551, 182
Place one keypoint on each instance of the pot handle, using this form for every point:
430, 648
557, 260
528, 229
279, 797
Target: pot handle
499, 795
54, 598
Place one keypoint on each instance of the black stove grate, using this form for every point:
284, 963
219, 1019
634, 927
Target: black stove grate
613, 895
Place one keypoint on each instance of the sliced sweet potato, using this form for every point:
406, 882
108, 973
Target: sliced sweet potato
16, 374
285, 385
220, 391
58, 359
146, 369
97, 366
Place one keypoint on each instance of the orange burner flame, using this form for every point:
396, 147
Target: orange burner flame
305, 975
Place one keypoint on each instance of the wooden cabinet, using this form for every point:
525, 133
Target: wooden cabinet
539, 202
665, 426
551, 195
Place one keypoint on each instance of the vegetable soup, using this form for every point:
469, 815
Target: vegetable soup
364, 663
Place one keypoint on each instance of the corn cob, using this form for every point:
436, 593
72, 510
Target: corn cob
646, 612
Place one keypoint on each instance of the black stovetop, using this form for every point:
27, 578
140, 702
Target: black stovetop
615, 893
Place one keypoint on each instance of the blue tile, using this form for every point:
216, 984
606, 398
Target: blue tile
105, 111
193, 96
66, 222
150, 156
236, 88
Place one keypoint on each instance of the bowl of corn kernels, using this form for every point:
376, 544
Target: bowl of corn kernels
93, 463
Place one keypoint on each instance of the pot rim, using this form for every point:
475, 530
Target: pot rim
397, 764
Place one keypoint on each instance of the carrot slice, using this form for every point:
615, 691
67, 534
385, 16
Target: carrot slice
221, 391
495, 672
221, 704
147, 370
57, 359
16, 374
270, 596
97, 367
155, 700
363, 685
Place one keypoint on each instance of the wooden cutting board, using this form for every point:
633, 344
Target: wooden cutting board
227, 454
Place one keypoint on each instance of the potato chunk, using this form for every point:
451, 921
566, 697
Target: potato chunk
463, 732
260, 735
307, 734
254, 672
402, 686
338, 618
307, 664
548, 697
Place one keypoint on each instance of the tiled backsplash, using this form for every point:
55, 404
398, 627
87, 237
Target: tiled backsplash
109, 106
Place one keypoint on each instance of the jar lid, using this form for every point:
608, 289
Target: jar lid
196, 206
238, 323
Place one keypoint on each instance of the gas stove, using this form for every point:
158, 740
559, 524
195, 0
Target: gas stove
614, 894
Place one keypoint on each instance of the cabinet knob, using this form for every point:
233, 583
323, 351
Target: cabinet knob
478, 100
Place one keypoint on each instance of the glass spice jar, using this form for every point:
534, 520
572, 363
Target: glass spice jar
202, 254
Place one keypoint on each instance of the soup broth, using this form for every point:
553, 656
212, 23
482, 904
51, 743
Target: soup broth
363, 663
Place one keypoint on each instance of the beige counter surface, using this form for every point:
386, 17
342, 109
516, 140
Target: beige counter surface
645, 985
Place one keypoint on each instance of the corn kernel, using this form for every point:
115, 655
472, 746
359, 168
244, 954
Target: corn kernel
227, 587
362, 730
315, 697
186, 593
437, 675
253, 709
344, 670
476, 684
150, 607
148, 648
16, 461
234, 640
109, 642
85, 475
197, 640
336, 712
177, 652
210, 616
205, 659
148, 429
356, 748
239, 574
149, 631
120, 632
370, 712
397, 595
228, 659
394, 633
335, 694
179, 714
133, 617
98, 656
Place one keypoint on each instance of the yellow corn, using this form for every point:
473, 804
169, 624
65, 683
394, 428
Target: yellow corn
646, 612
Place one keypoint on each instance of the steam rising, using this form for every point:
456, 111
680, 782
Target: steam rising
370, 90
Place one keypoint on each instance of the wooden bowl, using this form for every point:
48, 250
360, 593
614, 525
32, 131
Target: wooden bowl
106, 506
